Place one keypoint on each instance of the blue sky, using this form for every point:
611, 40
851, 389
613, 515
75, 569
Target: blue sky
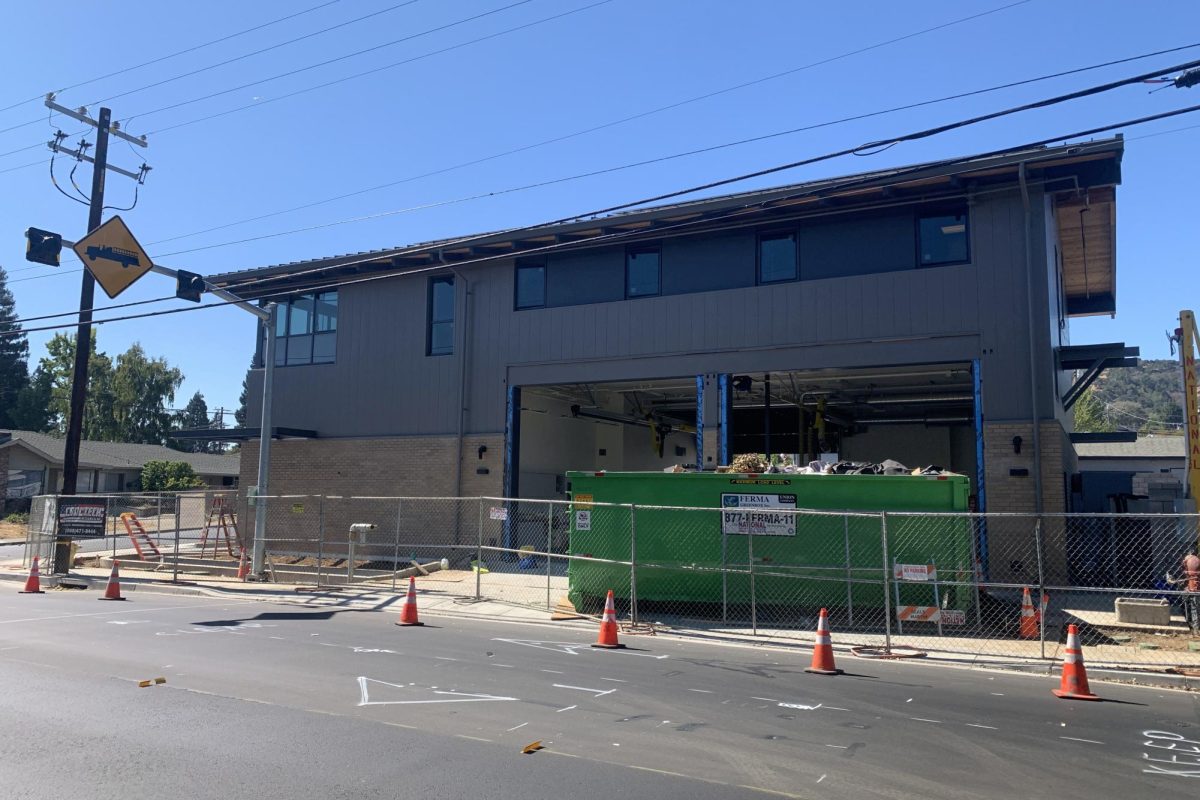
614, 60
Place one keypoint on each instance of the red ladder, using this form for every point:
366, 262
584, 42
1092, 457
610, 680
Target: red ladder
139, 537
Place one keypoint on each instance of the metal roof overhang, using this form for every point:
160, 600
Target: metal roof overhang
1077, 173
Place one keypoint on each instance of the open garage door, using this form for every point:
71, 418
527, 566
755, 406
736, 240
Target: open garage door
918, 415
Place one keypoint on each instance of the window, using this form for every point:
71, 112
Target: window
942, 239
777, 258
306, 330
531, 285
440, 340
642, 268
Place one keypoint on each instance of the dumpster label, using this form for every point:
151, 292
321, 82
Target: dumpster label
759, 482
952, 616
297, 508
80, 519
758, 514
583, 520
496, 512
584, 501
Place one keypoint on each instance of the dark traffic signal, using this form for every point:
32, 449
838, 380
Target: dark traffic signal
189, 286
43, 247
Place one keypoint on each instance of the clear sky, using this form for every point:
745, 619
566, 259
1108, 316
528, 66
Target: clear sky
607, 62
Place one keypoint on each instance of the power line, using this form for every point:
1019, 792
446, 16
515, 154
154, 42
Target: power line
575, 243
228, 61
645, 162
176, 53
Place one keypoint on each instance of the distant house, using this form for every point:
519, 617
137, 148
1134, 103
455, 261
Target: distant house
31, 463
1149, 470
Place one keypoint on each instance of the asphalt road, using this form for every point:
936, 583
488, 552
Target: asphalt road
269, 700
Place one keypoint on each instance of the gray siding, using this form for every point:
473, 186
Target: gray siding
383, 384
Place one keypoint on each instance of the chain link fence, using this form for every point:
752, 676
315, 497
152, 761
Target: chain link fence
994, 586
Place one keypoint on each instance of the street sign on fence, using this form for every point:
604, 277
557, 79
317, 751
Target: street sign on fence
916, 572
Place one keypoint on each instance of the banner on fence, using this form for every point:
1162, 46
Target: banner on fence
498, 512
758, 514
81, 518
915, 572
918, 614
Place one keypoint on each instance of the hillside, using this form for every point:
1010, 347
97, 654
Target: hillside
1146, 398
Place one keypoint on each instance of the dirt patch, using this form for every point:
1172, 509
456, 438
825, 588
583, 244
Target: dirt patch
1158, 641
14, 530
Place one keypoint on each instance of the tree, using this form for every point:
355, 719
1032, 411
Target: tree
194, 415
169, 476
240, 414
32, 410
142, 388
14, 355
57, 367
1089, 414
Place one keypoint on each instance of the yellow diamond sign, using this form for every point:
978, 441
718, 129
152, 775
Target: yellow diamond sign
113, 256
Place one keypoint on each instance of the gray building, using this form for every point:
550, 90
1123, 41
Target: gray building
919, 314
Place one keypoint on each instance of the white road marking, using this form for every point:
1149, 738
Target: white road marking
596, 692
998, 694
922, 719
568, 708
445, 658
502, 666
1085, 741
109, 613
126, 621
445, 696
768, 699
800, 706
839, 746
552, 671
836, 708
277, 637
614, 680
522, 725
986, 727
820, 779
701, 691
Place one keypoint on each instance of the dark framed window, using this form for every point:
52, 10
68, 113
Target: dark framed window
440, 338
943, 238
643, 271
306, 330
777, 258
530, 289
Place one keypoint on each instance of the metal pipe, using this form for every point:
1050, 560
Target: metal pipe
767, 417
264, 445
1029, 316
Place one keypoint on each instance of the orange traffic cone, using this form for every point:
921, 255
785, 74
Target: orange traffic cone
113, 591
33, 584
1029, 618
1074, 677
822, 660
408, 613
243, 567
608, 626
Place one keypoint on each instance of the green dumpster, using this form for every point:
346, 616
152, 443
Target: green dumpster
697, 537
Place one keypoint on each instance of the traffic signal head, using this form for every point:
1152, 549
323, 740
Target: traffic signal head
189, 286
42, 247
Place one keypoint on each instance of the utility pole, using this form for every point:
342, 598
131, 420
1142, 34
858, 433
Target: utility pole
83, 334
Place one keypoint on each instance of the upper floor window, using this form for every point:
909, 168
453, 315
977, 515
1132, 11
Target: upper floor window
531, 284
942, 239
440, 338
643, 267
777, 258
306, 330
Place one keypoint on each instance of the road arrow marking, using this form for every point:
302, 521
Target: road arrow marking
443, 696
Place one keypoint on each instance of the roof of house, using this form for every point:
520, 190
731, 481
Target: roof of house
1084, 172
1145, 447
117, 455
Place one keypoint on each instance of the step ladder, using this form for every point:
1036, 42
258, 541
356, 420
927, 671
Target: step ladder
142, 542
220, 522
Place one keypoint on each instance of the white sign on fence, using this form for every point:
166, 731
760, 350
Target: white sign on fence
915, 572
952, 616
496, 512
758, 514
583, 520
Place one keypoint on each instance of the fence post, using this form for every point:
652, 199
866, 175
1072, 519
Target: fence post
633, 564
849, 577
320, 537
896, 586
396, 548
724, 571
175, 566
479, 554
549, 546
158, 521
1037, 541
753, 595
887, 593
937, 596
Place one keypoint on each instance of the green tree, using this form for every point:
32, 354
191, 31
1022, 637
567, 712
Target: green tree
1089, 414
14, 355
194, 415
169, 476
142, 387
32, 410
57, 367
240, 414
